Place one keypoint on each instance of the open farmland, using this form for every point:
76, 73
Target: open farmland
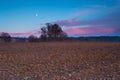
60, 61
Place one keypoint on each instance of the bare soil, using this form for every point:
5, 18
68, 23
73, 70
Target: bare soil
60, 61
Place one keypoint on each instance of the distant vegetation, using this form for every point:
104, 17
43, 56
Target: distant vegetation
53, 32
5, 37
50, 32
33, 38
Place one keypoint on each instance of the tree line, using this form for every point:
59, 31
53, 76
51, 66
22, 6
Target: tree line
50, 32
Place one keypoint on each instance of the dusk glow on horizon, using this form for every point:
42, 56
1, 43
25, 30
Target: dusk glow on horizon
76, 17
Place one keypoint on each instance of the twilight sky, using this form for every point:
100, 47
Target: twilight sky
77, 17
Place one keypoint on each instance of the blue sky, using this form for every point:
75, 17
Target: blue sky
77, 17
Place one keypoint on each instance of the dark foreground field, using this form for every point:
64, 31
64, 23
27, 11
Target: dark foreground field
60, 61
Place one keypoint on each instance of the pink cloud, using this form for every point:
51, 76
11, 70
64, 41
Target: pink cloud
33, 32
113, 21
90, 30
68, 22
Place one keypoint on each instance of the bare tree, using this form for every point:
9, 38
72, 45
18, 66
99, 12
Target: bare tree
33, 38
52, 32
5, 37
43, 33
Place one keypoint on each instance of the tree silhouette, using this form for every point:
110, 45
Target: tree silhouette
33, 38
5, 37
43, 33
52, 32
63, 35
